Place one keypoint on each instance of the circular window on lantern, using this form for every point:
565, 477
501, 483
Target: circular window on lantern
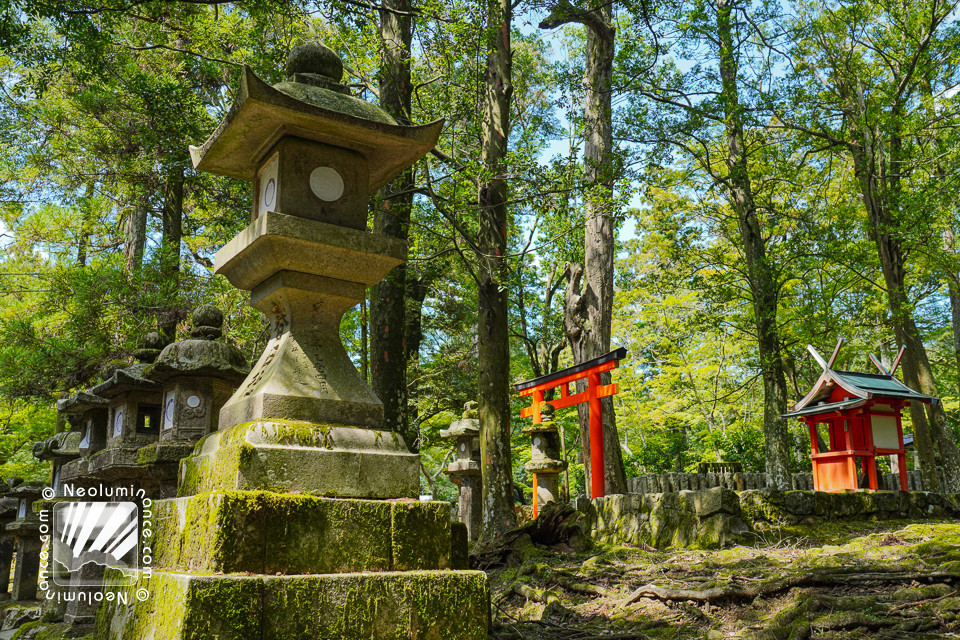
326, 184
193, 402
536, 442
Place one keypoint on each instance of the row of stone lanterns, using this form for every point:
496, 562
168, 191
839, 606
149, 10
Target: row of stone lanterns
546, 464
131, 432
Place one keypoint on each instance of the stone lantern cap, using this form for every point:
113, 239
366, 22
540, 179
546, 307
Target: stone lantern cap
547, 424
201, 355
124, 380
81, 402
467, 425
27, 490
312, 105
64, 445
461, 428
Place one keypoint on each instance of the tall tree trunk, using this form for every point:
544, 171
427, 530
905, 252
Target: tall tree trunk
881, 206
417, 290
135, 236
170, 249
590, 329
492, 328
86, 221
762, 279
364, 341
954, 291
392, 218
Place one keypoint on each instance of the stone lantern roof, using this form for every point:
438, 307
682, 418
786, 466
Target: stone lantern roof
467, 425
64, 445
80, 402
202, 355
313, 105
124, 380
28, 490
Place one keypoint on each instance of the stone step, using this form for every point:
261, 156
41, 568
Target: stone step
415, 605
265, 532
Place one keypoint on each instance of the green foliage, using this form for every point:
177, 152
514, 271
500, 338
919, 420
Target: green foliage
100, 103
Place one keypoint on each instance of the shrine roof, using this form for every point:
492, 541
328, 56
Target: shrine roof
826, 408
860, 386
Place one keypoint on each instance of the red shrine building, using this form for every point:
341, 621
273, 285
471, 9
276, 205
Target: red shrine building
853, 418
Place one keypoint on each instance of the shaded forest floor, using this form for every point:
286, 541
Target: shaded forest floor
893, 579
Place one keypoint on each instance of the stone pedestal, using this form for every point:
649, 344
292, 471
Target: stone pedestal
27, 571
82, 606
262, 565
304, 409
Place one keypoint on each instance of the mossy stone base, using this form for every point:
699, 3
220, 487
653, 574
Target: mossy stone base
264, 532
291, 456
427, 605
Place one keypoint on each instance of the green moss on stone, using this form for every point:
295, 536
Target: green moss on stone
420, 605
420, 535
265, 532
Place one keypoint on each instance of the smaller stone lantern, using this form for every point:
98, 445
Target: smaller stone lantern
464, 471
134, 408
199, 375
26, 527
87, 414
546, 463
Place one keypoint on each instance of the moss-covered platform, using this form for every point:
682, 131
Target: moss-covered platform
295, 456
265, 532
434, 605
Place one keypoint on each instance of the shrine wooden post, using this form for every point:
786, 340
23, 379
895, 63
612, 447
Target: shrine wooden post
592, 395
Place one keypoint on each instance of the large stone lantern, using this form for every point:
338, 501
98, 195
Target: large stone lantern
314, 154
291, 521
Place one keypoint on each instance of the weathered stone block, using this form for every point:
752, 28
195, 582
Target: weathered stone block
799, 503
420, 535
292, 456
716, 500
264, 532
428, 605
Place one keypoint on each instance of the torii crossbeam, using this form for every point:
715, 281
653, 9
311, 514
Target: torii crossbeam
590, 370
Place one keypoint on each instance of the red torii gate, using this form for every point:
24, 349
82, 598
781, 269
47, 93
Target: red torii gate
590, 370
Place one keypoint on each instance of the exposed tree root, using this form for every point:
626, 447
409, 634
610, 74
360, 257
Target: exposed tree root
777, 586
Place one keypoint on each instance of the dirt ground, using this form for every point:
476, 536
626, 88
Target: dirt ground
892, 579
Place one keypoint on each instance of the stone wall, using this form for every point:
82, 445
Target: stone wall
675, 481
717, 517
705, 519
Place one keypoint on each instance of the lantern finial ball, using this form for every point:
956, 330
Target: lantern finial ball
546, 412
315, 59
